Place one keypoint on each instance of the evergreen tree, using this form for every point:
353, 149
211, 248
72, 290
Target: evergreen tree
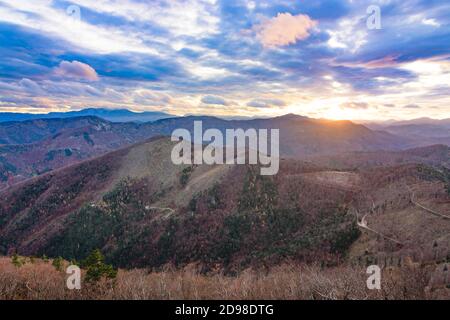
96, 267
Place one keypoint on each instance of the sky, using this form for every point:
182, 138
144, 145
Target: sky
336, 59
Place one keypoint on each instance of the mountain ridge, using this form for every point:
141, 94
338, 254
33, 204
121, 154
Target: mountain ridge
113, 115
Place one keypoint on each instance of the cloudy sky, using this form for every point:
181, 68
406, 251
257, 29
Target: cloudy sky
225, 57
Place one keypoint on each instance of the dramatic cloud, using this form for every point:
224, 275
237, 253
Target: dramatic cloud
349, 35
30, 86
180, 18
149, 98
412, 106
76, 70
285, 29
354, 105
215, 100
266, 103
51, 17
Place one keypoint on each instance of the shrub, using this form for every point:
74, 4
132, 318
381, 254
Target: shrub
58, 263
185, 174
88, 139
68, 152
17, 261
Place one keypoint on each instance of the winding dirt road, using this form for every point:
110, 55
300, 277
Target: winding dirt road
443, 216
363, 224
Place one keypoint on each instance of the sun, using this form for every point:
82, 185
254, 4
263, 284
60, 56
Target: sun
339, 113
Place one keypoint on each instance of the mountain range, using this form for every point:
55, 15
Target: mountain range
113, 115
32, 147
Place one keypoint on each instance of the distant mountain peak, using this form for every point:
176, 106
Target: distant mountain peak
292, 116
